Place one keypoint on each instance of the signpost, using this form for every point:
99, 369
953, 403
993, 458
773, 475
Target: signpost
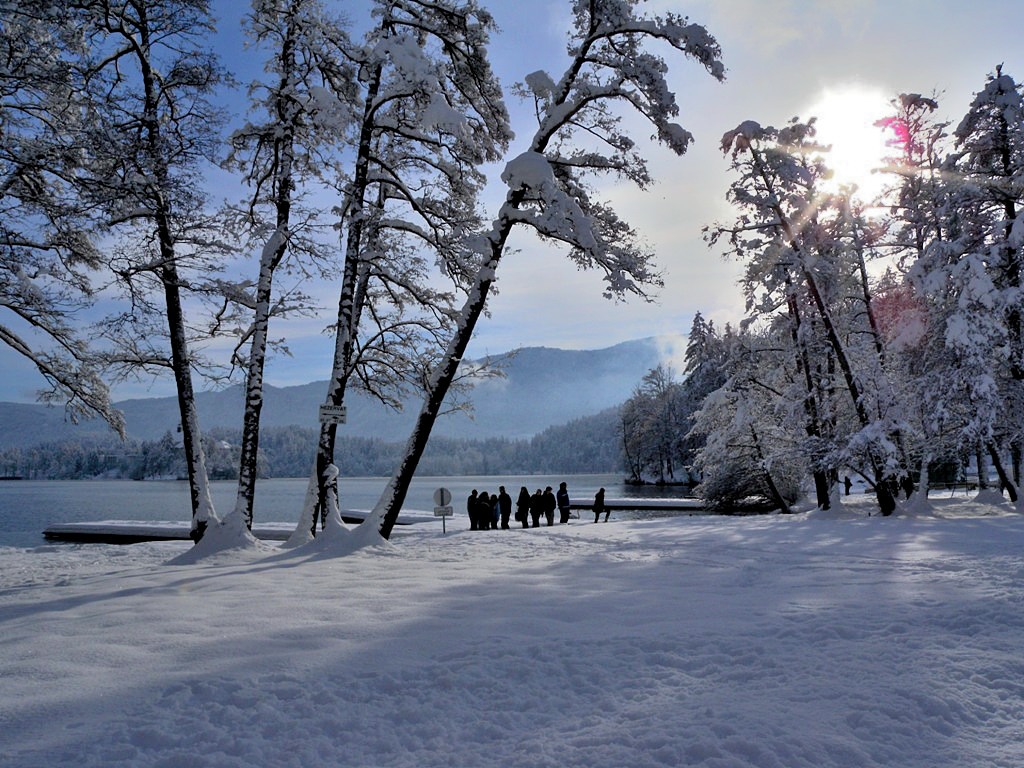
442, 508
332, 414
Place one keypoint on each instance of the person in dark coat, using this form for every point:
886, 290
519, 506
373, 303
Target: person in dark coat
564, 508
504, 507
536, 507
549, 505
599, 506
471, 509
523, 507
483, 511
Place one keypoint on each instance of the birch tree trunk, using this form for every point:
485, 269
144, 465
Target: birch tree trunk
273, 252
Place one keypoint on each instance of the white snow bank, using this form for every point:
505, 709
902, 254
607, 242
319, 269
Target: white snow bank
776, 641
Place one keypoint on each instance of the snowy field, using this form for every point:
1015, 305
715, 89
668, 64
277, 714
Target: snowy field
776, 642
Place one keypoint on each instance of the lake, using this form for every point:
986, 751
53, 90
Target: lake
29, 506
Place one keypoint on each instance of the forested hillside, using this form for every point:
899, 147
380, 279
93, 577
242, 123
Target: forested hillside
589, 444
539, 388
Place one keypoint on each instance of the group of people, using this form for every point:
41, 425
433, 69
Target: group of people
492, 511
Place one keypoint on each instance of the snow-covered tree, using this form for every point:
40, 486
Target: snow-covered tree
432, 114
955, 224
304, 112
804, 252
989, 162
46, 234
653, 424
747, 447
580, 134
148, 76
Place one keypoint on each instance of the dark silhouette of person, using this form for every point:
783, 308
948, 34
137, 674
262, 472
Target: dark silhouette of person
599, 506
536, 507
523, 507
504, 507
549, 505
483, 511
564, 508
847, 484
471, 509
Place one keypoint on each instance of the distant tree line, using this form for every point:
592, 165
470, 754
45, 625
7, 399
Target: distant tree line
588, 444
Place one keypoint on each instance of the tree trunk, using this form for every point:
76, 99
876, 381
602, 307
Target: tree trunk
270, 258
390, 503
1015, 459
1004, 479
773, 489
813, 423
273, 252
195, 460
348, 311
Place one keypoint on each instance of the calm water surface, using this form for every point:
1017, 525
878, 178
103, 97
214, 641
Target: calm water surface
29, 506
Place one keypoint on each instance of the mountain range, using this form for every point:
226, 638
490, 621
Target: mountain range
541, 387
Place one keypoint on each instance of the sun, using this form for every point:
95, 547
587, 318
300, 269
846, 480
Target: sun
846, 121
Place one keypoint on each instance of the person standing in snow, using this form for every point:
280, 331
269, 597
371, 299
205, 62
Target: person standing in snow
564, 508
504, 507
483, 511
471, 509
536, 507
549, 505
523, 507
599, 506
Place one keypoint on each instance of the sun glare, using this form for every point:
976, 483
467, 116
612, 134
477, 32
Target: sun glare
846, 121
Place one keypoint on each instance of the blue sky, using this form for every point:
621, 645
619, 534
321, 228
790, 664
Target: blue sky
783, 58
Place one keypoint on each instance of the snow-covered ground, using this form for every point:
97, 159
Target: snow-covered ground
777, 642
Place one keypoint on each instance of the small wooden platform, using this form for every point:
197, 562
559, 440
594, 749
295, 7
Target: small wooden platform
645, 505
134, 532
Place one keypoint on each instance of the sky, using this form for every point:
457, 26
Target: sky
840, 60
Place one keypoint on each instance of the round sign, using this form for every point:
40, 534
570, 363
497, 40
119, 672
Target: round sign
442, 497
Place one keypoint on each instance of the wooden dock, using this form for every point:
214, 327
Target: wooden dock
645, 505
134, 531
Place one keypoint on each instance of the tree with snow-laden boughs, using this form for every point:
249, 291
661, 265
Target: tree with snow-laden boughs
653, 423
747, 431
989, 162
804, 256
611, 64
306, 107
149, 128
969, 276
47, 235
431, 114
